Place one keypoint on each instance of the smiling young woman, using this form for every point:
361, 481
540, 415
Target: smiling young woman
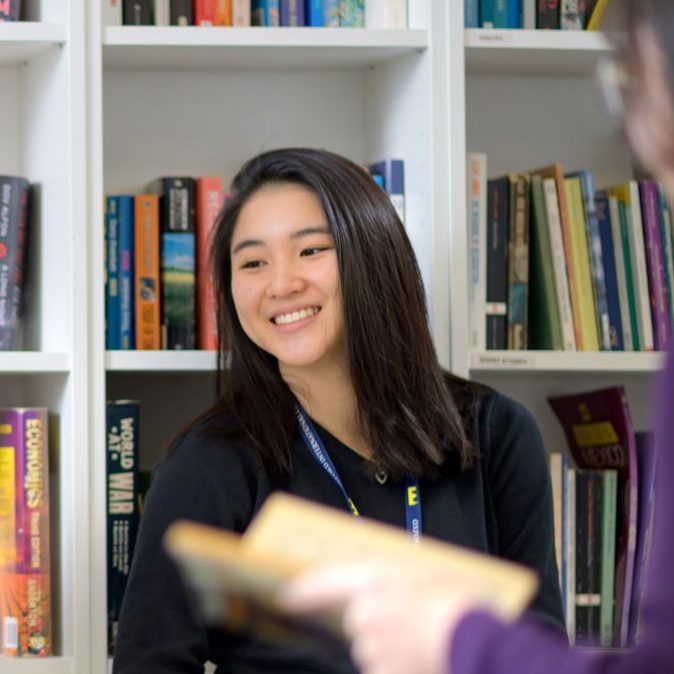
334, 394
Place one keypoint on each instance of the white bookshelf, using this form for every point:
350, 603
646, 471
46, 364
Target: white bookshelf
35, 666
160, 361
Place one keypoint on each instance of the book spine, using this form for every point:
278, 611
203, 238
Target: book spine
655, 264
127, 325
352, 13
182, 13
569, 494
497, 279
608, 534
471, 13
112, 308
487, 13
146, 272
393, 173
595, 20
387, 14
25, 603
529, 14
314, 13
572, 14
122, 422
331, 13
137, 13
556, 461
162, 13
292, 13
559, 264
111, 12
514, 13
477, 253
609, 264
518, 262
10, 10
621, 260
500, 13
204, 12
13, 228
667, 249
241, 13
209, 200
265, 13
547, 14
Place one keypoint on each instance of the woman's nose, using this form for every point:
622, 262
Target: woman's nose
285, 281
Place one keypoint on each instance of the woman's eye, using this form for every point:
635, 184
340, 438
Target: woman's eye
312, 251
252, 264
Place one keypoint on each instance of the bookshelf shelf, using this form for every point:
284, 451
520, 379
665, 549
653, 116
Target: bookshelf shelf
531, 52
508, 363
160, 361
190, 47
33, 362
32, 665
22, 41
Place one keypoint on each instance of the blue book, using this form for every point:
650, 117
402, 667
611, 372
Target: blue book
393, 174
265, 13
314, 13
596, 261
608, 257
331, 13
487, 13
112, 307
127, 324
471, 13
514, 13
501, 14
292, 13
352, 13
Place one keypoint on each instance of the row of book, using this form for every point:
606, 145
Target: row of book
371, 14
158, 290
25, 571
535, 14
557, 265
602, 499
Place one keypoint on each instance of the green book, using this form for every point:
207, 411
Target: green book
629, 274
544, 318
609, 507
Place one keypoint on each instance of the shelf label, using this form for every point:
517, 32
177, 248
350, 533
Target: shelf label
502, 360
493, 37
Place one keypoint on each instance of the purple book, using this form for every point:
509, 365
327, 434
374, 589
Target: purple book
292, 13
600, 434
657, 286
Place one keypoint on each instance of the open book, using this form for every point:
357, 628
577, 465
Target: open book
236, 578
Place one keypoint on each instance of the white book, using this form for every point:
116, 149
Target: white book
112, 12
559, 263
385, 14
529, 14
241, 13
621, 274
477, 249
570, 16
162, 12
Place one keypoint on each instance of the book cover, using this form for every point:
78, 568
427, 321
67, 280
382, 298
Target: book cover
558, 463
146, 272
596, 258
471, 13
162, 12
25, 570
112, 301
655, 264
127, 319
545, 326
518, 262
581, 264
137, 13
223, 13
14, 192
10, 10
569, 548
122, 490
182, 13
314, 13
496, 308
291, 534
600, 435
667, 249
265, 13
240, 13
331, 13
477, 247
209, 200
572, 14
111, 12
292, 13
352, 13
205, 13
388, 13
547, 14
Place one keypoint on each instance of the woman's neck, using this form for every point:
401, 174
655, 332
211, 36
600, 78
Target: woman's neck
328, 397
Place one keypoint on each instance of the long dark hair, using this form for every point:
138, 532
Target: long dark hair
411, 413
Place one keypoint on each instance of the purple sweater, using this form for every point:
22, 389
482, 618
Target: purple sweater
483, 645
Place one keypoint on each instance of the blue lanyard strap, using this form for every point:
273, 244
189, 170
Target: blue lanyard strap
315, 445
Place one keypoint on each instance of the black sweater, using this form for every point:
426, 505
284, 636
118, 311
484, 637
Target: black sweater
503, 506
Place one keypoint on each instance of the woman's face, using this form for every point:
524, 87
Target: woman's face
285, 280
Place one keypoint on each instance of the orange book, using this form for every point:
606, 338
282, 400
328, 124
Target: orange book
209, 201
223, 12
146, 272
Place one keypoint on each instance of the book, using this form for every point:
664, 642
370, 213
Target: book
25, 570
572, 14
240, 13
595, 18
205, 13
162, 12
14, 192
352, 13
547, 14
289, 535
146, 272
387, 14
629, 274
314, 13
609, 507
182, 13
471, 13
265, 13
112, 12
600, 435
112, 302
137, 13
477, 247
496, 308
122, 502
393, 173
667, 249
331, 13
223, 13
291, 13
127, 320
529, 14
10, 10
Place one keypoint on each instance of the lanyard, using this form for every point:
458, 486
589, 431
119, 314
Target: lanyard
315, 445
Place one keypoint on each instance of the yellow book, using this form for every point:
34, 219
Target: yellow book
597, 15
236, 578
581, 263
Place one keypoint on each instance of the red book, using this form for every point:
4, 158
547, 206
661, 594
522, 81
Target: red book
204, 12
209, 201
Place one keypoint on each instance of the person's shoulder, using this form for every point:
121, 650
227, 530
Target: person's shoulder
498, 411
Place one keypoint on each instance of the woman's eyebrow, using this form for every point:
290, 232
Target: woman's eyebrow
300, 233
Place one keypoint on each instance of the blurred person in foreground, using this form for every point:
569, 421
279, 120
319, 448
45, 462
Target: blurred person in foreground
409, 620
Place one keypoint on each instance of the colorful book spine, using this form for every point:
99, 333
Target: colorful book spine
146, 272
529, 14
137, 13
10, 10
127, 321
204, 12
25, 571
112, 302
241, 13
111, 12
655, 264
496, 308
627, 315
609, 509
518, 262
547, 14
477, 247
352, 13
13, 229
314, 13
572, 14
265, 13
595, 20
569, 550
209, 194
292, 13
487, 13
331, 13
514, 10
122, 490
471, 13
667, 249
162, 12
224, 12
500, 14
610, 274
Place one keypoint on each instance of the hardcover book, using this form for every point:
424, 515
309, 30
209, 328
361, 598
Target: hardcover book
10, 10
477, 247
182, 13
236, 579
122, 491
25, 571
292, 13
496, 309
13, 226
352, 13
112, 12
112, 301
137, 13
265, 13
